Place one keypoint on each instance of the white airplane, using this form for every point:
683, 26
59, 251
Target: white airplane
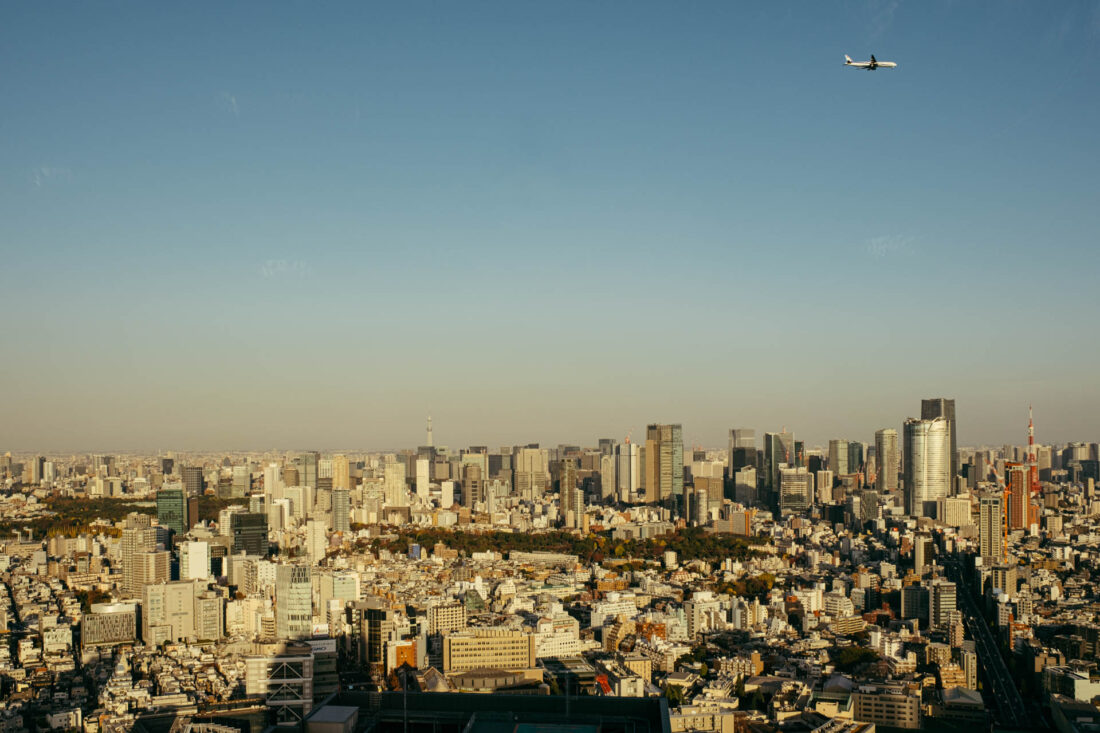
869, 65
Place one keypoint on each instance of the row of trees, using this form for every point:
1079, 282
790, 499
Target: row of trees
689, 544
72, 517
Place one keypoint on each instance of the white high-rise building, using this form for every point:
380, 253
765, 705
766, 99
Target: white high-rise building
629, 471
194, 561
423, 477
927, 471
316, 540
273, 482
394, 484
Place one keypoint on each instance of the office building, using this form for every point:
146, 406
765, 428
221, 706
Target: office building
194, 561
192, 480
341, 510
941, 603
779, 449
923, 552
742, 450
744, 486
939, 407
796, 490
990, 529
1019, 496
855, 456
664, 465
282, 674
838, 457
371, 627
532, 473
488, 648
182, 610
249, 532
172, 510
135, 542
894, 705
926, 464
446, 617
293, 602
472, 485
108, 624
628, 471
308, 469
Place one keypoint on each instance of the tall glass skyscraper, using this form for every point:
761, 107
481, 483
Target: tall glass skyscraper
172, 510
940, 407
927, 465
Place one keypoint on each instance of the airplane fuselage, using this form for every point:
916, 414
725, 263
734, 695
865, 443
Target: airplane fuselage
869, 65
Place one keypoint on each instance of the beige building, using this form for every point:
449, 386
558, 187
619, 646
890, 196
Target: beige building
488, 649
446, 617
895, 706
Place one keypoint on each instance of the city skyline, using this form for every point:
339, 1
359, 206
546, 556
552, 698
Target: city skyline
584, 436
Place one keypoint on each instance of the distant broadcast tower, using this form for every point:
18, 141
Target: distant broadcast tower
430, 444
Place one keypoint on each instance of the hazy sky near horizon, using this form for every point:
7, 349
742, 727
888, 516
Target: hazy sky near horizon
257, 225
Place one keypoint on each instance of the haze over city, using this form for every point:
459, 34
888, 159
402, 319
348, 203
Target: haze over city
260, 226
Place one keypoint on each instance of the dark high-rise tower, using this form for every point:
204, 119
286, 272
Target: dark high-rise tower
664, 464
939, 407
192, 480
172, 510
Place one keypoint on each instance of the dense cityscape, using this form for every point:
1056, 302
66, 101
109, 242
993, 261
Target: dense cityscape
904, 582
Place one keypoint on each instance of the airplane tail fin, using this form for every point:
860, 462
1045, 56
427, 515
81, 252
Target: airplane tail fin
847, 59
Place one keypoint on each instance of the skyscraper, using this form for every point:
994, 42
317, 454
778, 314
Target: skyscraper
778, 449
172, 510
664, 464
742, 450
136, 542
838, 457
855, 456
341, 510
1019, 496
796, 490
927, 465
566, 484
293, 602
307, 469
532, 473
990, 530
886, 457
341, 472
249, 532
628, 470
940, 407
192, 480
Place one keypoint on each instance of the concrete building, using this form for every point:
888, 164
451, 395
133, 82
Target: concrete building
488, 649
293, 602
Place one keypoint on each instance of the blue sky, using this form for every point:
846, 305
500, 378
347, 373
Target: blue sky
286, 225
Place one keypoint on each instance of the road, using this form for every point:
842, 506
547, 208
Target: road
1009, 708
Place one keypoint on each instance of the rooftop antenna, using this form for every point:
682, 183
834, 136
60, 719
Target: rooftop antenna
430, 444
